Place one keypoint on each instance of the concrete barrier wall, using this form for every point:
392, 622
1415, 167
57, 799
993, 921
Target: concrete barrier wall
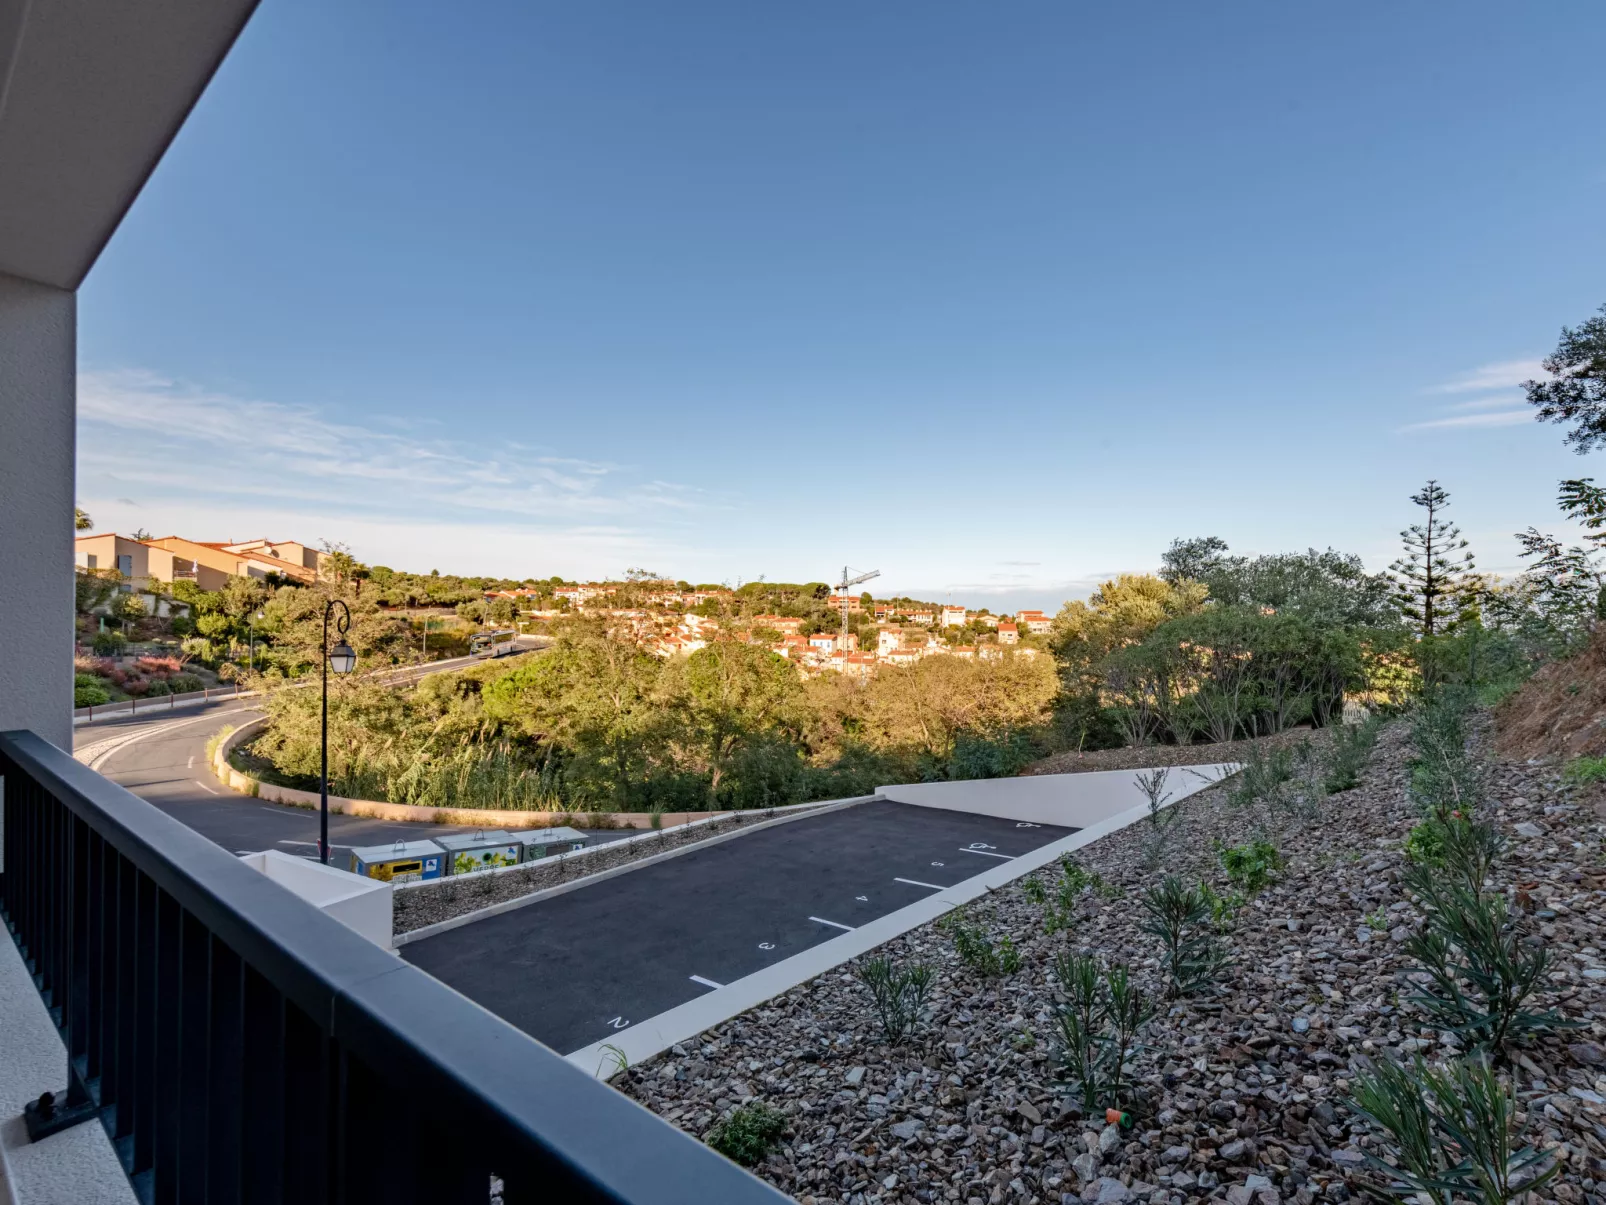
375, 809
1071, 800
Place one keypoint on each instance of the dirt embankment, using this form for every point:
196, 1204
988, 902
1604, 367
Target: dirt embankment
1561, 711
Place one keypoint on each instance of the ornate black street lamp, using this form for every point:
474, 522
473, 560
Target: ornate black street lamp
342, 660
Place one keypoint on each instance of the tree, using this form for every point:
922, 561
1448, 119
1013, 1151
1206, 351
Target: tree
1434, 582
94, 588
140, 534
1192, 560
1576, 390
1118, 613
738, 695
502, 611
81, 520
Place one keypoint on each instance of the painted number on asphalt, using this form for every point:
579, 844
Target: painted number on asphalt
766, 945
1027, 824
981, 845
863, 899
936, 863
618, 1023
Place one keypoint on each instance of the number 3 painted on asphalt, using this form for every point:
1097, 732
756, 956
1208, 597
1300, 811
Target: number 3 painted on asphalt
766, 945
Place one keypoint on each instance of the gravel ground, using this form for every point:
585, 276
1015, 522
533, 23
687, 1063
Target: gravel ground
1243, 1088
446, 898
1142, 757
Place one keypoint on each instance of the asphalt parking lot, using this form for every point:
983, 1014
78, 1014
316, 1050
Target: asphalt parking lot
575, 968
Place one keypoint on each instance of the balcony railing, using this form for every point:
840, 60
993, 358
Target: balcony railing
240, 1046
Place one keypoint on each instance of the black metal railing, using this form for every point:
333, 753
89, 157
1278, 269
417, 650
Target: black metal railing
240, 1046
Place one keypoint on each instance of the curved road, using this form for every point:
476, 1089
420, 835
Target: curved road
162, 759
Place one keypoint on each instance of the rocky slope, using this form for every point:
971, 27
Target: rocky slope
1242, 1088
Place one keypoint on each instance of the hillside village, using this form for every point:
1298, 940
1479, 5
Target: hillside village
672, 621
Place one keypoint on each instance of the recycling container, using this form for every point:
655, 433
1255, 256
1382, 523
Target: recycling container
541, 843
400, 861
481, 850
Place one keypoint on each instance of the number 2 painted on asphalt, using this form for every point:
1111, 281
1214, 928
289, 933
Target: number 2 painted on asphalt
863, 899
766, 945
618, 1023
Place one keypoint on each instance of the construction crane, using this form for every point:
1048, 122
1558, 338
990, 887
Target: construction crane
848, 581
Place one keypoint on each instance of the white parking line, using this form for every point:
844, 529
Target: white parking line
984, 853
190, 765
203, 786
705, 982
918, 883
285, 812
820, 920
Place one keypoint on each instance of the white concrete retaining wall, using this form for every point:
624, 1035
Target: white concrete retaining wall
357, 902
1069, 800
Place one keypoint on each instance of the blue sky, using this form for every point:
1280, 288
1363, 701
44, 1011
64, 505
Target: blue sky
998, 299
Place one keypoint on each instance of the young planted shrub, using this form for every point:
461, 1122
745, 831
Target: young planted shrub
1348, 751
1443, 778
899, 994
1152, 786
1097, 1027
1264, 777
977, 950
1481, 973
1179, 917
1251, 868
747, 1135
1451, 1131
88, 691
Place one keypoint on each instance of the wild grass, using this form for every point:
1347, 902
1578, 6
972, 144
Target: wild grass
747, 1135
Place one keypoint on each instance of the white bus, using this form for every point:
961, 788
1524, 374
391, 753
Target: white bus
492, 644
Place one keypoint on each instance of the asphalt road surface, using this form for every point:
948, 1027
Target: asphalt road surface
164, 762
659, 936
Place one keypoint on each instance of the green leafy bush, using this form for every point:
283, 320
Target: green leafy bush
977, 950
1452, 1133
1481, 972
1097, 1026
899, 995
184, 683
1180, 918
88, 691
1348, 751
109, 644
1252, 867
747, 1135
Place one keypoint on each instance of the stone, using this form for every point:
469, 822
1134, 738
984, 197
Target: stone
1109, 1139
1588, 1053
1107, 1191
1256, 1183
1348, 1159
1239, 1194
1233, 1151
855, 1074
1528, 829
890, 1182
1298, 1024
1025, 1108
905, 1130
1086, 1167
1176, 1154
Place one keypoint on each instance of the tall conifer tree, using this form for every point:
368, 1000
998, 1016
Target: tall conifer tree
1434, 582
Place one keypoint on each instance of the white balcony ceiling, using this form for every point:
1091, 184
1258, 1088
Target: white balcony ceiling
91, 93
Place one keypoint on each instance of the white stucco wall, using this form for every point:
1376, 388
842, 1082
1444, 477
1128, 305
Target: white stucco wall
1072, 800
38, 363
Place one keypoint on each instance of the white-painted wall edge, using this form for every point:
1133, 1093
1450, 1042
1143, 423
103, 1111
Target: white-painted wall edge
546, 893
1068, 800
656, 1034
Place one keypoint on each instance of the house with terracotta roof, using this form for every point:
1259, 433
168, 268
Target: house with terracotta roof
784, 624
1008, 633
952, 617
1034, 622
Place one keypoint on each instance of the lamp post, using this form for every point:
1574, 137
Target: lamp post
342, 660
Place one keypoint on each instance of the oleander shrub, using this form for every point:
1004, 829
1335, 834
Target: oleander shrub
1180, 918
1096, 1028
898, 995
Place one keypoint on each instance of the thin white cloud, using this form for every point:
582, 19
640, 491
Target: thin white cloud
164, 435
1507, 374
1495, 418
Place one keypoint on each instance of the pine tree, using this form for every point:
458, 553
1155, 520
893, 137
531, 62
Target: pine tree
1434, 582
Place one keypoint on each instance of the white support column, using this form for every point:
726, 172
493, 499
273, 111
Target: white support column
38, 405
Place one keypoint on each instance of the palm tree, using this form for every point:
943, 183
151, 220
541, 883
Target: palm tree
81, 521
